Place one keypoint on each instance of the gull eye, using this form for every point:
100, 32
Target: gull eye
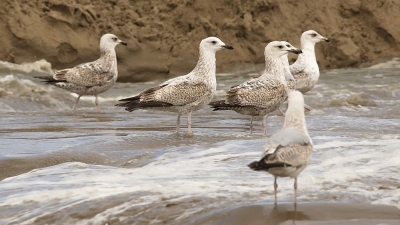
115, 39
214, 42
280, 46
288, 46
313, 35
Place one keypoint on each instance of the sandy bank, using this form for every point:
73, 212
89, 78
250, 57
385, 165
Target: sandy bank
163, 36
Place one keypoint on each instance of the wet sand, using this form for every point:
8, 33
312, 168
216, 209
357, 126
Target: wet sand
306, 213
15, 166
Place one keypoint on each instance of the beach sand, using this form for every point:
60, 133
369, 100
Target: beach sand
15, 166
306, 213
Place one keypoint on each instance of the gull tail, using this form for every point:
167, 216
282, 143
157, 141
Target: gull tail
50, 80
61, 75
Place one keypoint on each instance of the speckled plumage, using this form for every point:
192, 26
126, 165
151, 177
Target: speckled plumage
305, 70
183, 94
91, 78
264, 94
288, 152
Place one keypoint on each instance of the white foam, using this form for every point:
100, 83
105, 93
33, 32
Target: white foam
212, 172
22, 93
40, 66
393, 63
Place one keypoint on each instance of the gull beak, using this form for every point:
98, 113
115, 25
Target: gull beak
228, 47
295, 51
123, 42
326, 39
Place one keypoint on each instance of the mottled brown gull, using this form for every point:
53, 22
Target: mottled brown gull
91, 78
264, 94
183, 94
288, 152
305, 70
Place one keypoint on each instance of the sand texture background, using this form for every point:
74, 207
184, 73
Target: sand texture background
163, 35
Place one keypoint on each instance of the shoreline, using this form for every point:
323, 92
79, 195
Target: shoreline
314, 213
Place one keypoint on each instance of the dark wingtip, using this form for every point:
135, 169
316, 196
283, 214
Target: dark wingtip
254, 165
49, 80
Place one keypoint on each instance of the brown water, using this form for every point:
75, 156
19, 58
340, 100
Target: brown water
118, 167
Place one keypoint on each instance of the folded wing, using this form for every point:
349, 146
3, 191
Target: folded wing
287, 148
255, 92
166, 95
88, 74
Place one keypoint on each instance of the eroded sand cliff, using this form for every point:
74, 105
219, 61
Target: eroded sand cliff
163, 35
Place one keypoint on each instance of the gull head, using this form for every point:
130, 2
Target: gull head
293, 49
280, 48
313, 37
108, 41
214, 44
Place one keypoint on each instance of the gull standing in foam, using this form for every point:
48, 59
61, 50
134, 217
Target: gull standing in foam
305, 70
264, 94
288, 152
183, 94
91, 78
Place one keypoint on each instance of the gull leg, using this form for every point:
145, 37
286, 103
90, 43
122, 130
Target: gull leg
275, 190
264, 124
97, 104
76, 103
280, 110
295, 191
189, 122
307, 107
251, 124
178, 122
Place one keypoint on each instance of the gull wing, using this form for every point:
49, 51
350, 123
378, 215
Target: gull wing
288, 147
255, 92
88, 74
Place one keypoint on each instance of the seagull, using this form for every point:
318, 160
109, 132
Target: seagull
287, 152
183, 94
91, 78
264, 94
305, 69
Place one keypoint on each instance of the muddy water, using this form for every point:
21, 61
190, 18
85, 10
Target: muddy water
117, 167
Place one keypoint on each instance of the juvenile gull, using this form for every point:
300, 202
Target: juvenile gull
183, 94
288, 151
291, 83
264, 94
305, 70
91, 78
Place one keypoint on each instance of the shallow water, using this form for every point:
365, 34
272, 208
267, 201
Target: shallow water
118, 167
